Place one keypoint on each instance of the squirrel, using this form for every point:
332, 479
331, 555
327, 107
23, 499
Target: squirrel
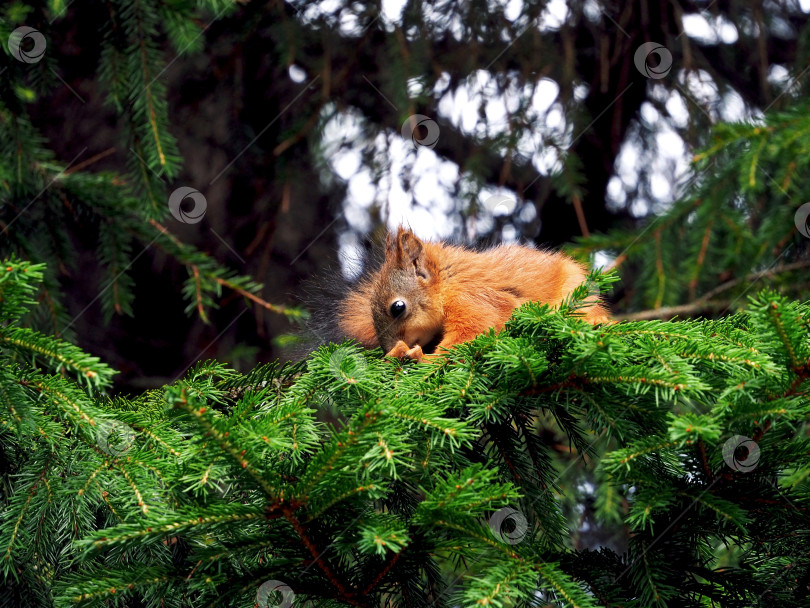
429, 296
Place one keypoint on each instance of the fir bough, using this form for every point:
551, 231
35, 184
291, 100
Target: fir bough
359, 481
50, 209
737, 222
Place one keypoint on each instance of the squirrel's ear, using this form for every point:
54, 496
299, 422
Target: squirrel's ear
410, 247
411, 251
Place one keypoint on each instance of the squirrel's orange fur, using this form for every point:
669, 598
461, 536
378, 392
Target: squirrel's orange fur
451, 294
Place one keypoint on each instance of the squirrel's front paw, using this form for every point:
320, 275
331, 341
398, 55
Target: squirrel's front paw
399, 351
402, 351
415, 353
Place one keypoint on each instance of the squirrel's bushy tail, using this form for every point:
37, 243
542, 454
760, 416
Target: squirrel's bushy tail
323, 295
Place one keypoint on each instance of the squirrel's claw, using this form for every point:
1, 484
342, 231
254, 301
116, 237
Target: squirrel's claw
402, 351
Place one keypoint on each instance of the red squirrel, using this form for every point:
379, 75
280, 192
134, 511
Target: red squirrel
436, 295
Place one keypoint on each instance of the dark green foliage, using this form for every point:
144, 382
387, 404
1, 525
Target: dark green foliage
433, 486
360, 481
735, 225
51, 212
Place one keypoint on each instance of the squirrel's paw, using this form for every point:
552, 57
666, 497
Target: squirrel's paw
402, 351
399, 351
415, 353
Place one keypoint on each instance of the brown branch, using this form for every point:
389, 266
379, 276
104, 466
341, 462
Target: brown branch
583, 225
802, 374
616, 263
89, 161
224, 282
386, 569
301, 133
704, 302
510, 465
254, 298
704, 246
524, 426
345, 594
260, 234
762, 52
761, 431
200, 309
667, 312
572, 382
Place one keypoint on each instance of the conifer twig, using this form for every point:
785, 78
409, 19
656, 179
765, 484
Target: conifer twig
704, 302
668, 312
253, 297
385, 570
224, 282
583, 224
93, 159
289, 515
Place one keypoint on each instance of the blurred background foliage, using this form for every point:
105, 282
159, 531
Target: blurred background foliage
289, 118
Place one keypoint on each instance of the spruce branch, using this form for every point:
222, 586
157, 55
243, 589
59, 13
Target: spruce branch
705, 302
231, 479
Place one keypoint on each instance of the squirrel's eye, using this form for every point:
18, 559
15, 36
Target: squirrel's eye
397, 308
